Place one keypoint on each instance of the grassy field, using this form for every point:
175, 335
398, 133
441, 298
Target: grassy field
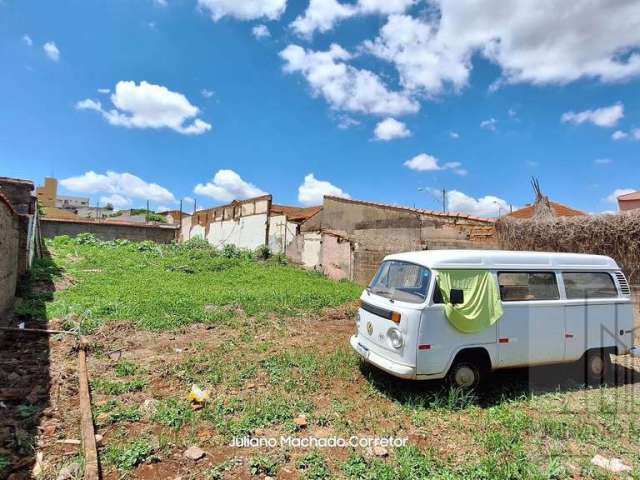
270, 343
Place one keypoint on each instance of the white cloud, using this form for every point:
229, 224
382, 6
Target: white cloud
244, 9
227, 186
160, 3
428, 163
633, 134
530, 43
188, 200
260, 31
512, 113
602, 117
118, 201
613, 196
487, 206
345, 122
51, 50
390, 128
489, 124
104, 91
207, 93
454, 135
345, 87
603, 161
312, 191
323, 15
27, 40
119, 187
149, 106
619, 135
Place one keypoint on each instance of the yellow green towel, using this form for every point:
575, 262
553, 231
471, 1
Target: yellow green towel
481, 308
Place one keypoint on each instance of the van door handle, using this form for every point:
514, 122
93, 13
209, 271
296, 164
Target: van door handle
568, 335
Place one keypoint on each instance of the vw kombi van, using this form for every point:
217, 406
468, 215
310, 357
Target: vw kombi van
524, 309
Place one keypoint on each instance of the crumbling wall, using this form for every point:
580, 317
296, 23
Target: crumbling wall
617, 236
9, 253
336, 257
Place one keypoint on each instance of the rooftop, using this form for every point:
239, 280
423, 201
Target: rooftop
497, 259
457, 215
295, 213
559, 210
630, 196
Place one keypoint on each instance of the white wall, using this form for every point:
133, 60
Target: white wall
197, 231
312, 250
243, 232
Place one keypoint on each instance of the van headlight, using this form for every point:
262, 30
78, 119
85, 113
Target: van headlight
395, 338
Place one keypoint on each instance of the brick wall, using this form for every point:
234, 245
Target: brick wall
109, 231
9, 247
18, 192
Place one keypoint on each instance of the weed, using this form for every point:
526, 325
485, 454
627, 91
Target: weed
173, 413
4, 463
130, 455
109, 387
217, 472
125, 368
265, 464
26, 410
314, 466
114, 412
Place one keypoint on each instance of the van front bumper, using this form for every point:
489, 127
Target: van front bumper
394, 368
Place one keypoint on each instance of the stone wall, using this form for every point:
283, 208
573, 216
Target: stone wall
9, 249
18, 193
109, 231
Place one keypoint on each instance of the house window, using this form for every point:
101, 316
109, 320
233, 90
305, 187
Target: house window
580, 285
527, 286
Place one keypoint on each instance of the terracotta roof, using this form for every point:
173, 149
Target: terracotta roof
457, 215
295, 213
630, 196
558, 209
19, 181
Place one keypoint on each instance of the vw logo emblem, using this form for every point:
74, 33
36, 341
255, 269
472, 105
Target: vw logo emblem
369, 328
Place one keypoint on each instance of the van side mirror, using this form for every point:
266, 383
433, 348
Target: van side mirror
456, 296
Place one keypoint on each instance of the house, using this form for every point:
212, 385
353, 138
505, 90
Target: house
629, 201
558, 210
174, 216
247, 224
48, 197
347, 239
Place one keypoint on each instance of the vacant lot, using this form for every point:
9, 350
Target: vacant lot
270, 343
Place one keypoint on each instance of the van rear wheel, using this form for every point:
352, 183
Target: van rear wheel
465, 375
597, 365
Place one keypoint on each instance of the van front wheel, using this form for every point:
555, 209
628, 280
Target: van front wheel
465, 374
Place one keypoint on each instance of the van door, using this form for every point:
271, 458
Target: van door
531, 331
590, 312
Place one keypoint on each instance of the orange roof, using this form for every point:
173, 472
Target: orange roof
630, 196
295, 213
558, 209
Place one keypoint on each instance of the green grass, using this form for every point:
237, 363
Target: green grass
110, 387
127, 456
167, 286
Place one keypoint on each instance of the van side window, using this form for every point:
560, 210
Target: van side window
524, 286
580, 285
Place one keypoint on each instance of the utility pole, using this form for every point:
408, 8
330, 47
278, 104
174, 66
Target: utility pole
146, 219
444, 201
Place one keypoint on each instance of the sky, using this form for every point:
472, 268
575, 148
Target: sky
381, 100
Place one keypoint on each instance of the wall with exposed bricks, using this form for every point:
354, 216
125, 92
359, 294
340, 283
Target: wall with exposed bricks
9, 253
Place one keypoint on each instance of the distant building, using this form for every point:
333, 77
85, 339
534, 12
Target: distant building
48, 198
174, 216
629, 201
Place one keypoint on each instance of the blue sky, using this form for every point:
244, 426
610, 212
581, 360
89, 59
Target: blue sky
218, 99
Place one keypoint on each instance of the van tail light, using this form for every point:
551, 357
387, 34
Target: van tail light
395, 317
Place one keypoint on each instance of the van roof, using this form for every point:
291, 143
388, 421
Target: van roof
497, 259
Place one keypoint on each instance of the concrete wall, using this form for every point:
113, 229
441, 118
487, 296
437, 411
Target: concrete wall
108, 231
281, 233
336, 257
18, 193
312, 250
626, 205
9, 248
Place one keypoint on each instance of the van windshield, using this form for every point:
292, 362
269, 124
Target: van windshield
401, 281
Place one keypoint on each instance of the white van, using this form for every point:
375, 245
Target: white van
556, 307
